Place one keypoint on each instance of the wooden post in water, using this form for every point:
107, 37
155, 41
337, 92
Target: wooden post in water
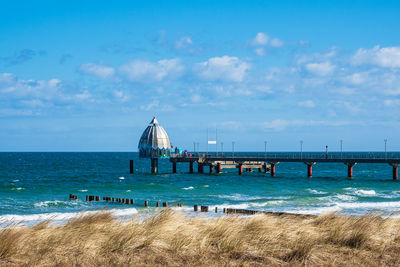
146, 203
219, 167
165, 204
196, 207
131, 169
216, 209
157, 204
204, 208
240, 168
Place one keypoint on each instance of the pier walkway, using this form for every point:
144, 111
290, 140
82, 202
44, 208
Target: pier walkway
266, 162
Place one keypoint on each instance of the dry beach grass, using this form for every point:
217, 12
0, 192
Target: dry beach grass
170, 238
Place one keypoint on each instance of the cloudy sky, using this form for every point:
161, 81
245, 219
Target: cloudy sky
89, 75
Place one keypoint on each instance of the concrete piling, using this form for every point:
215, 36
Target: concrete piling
191, 167
131, 169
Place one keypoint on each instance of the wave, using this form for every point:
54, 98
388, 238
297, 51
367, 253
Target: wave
239, 197
54, 203
362, 192
188, 188
83, 190
313, 191
59, 217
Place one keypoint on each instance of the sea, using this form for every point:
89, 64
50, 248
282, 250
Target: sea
35, 187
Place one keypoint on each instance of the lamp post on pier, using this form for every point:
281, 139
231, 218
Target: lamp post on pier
301, 149
265, 149
341, 149
222, 149
233, 149
385, 140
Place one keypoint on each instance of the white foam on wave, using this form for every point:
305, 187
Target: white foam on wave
313, 191
18, 188
362, 192
239, 197
346, 197
83, 190
16, 180
206, 185
53, 203
369, 205
59, 217
121, 178
268, 203
188, 188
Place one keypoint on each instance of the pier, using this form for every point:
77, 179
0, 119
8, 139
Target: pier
267, 162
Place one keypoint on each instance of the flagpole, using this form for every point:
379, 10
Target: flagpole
216, 142
207, 143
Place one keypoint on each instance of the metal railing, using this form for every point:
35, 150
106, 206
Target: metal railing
297, 155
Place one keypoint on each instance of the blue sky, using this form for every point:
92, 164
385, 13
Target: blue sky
89, 75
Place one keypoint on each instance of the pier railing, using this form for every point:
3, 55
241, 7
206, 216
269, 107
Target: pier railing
298, 156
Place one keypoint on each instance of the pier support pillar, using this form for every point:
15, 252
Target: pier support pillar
219, 167
240, 168
395, 171
131, 166
174, 167
309, 168
265, 167
211, 169
200, 167
154, 165
272, 169
350, 169
259, 169
191, 167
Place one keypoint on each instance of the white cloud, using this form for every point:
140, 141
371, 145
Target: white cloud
99, 70
152, 105
120, 95
146, 71
275, 42
391, 102
260, 51
321, 69
307, 104
263, 40
225, 68
183, 42
383, 57
260, 39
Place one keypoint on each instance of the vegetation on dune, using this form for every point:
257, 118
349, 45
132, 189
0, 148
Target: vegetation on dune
172, 238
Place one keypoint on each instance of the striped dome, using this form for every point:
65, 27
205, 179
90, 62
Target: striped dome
154, 139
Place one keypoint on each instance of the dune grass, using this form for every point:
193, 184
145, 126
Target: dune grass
170, 238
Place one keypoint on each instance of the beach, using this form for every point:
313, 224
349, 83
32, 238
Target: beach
172, 238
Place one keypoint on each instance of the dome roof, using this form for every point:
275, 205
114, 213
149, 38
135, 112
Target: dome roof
154, 137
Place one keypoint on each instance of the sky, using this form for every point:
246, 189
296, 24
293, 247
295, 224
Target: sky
90, 75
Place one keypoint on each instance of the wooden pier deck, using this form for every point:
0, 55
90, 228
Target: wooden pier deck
266, 162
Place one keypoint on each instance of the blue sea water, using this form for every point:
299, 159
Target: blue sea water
36, 186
